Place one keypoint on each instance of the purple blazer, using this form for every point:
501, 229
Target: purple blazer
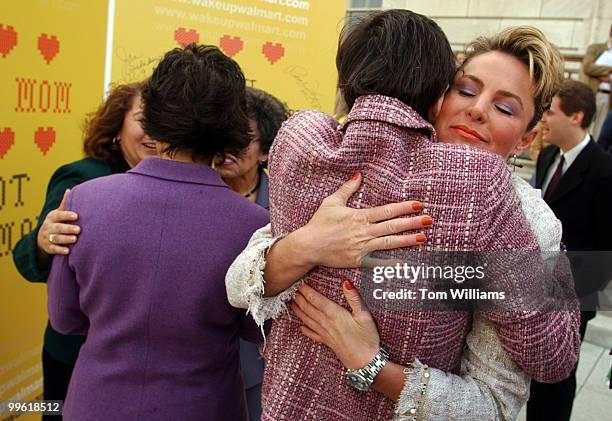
145, 283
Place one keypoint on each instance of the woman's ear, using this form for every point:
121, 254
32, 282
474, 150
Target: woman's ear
526, 140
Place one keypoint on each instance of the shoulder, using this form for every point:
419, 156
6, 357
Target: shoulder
303, 132
246, 213
308, 120
480, 163
86, 169
594, 48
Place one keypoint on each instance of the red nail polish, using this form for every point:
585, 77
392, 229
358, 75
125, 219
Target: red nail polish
427, 220
348, 285
355, 176
417, 206
421, 238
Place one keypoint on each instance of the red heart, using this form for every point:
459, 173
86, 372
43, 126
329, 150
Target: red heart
8, 39
44, 139
185, 37
7, 139
231, 45
48, 47
273, 52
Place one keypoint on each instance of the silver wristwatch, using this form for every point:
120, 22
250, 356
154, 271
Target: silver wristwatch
363, 378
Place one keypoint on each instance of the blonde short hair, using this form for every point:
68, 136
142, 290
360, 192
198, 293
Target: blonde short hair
542, 58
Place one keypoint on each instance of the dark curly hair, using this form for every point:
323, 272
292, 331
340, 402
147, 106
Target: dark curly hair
397, 53
195, 103
268, 112
105, 123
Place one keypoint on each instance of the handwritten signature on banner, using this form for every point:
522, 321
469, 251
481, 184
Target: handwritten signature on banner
308, 89
133, 67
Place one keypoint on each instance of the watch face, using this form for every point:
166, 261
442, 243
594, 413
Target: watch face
359, 382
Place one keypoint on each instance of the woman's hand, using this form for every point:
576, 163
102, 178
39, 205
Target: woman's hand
340, 237
352, 336
56, 232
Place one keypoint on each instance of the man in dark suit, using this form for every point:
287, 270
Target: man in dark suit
575, 176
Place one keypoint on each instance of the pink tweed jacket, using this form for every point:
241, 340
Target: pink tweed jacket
468, 193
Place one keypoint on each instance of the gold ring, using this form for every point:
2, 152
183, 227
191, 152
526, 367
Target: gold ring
51, 236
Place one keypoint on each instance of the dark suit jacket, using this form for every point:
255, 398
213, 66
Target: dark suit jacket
583, 203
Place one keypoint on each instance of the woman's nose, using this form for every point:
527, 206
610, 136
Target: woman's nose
476, 112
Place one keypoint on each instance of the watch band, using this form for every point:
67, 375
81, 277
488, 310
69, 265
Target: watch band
363, 378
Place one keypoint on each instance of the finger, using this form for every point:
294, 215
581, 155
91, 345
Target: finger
397, 225
343, 194
59, 239
392, 210
66, 229
310, 310
62, 205
312, 335
352, 297
395, 241
54, 249
319, 301
62, 216
313, 325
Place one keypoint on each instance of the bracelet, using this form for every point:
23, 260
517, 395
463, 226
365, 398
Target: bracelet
415, 410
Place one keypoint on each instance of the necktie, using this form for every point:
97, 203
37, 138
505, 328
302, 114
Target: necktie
554, 181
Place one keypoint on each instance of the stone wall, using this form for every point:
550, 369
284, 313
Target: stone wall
572, 25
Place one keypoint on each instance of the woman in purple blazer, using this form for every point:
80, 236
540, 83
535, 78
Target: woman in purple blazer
145, 282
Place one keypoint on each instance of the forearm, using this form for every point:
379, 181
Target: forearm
390, 380
245, 283
286, 262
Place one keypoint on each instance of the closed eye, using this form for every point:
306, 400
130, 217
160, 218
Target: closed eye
466, 92
504, 110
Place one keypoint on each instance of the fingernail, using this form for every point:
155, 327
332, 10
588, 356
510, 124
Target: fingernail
427, 220
421, 238
417, 206
355, 176
348, 285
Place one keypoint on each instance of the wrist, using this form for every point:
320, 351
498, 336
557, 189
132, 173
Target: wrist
303, 249
362, 358
363, 378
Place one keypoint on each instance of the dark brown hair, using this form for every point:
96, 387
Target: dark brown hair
396, 53
576, 97
268, 112
105, 123
195, 103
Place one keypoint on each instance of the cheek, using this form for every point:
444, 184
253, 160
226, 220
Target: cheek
505, 136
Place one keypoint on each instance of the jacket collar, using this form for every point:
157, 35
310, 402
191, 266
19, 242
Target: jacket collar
183, 172
388, 110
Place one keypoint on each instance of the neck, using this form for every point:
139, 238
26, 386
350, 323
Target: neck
572, 140
180, 156
245, 183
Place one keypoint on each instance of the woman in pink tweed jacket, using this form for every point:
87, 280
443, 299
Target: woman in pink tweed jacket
467, 192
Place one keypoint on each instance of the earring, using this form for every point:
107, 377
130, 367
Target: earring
116, 141
514, 164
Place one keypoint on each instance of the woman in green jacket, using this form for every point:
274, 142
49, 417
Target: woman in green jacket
114, 142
